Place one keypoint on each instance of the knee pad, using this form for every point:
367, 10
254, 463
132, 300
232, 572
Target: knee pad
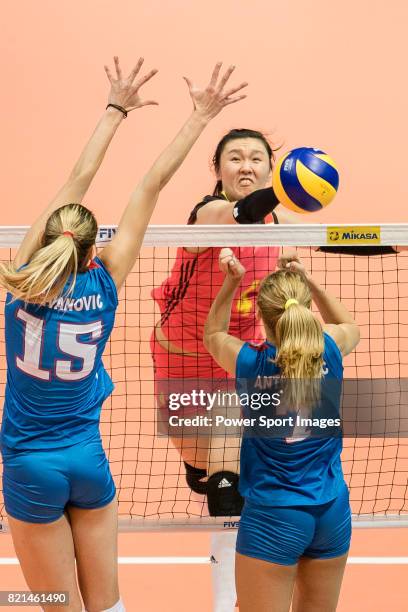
223, 497
194, 478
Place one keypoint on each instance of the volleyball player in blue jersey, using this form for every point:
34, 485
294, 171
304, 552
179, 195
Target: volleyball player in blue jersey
59, 313
295, 527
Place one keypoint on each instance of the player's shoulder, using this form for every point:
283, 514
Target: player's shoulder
101, 279
254, 358
332, 355
332, 338
258, 347
206, 200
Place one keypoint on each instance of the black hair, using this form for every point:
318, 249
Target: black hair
234, 135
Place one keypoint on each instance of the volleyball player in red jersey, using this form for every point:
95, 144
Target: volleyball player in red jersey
243, 165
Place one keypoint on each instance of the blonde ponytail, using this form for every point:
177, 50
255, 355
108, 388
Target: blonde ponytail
297, 334
69, 235
299, 341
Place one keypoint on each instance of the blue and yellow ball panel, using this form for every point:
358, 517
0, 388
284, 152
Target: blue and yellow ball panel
305, 180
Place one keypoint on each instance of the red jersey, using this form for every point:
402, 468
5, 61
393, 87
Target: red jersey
186, 296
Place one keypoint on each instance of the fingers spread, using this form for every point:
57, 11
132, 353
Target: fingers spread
146, 78
108, 74
136, 69
233, 100
189, 83
118, 68
215, 74
149, 103
225, 78
234, 90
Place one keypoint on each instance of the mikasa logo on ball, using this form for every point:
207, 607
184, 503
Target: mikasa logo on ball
287, 166
354, 235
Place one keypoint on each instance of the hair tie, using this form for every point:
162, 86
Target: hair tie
290, 302
68, 233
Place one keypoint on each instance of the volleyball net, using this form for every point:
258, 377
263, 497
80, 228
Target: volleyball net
172, 286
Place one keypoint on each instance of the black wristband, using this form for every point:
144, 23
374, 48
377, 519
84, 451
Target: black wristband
119, 108
255, 206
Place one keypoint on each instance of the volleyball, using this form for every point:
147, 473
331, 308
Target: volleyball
305, 180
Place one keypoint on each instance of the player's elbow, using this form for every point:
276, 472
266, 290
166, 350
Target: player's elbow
151, 184
82, 175
208, 339
351, 337
356, 333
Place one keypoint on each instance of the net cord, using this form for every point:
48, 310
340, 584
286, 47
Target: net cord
233, 235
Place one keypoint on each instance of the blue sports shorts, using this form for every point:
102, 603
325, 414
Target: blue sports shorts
284, 534
39, 484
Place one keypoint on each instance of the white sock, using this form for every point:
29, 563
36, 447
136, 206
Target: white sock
118, 607
223, 570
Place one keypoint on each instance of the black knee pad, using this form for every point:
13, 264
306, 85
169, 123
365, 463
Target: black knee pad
223, 497
194, 478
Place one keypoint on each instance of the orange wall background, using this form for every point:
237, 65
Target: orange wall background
324, 74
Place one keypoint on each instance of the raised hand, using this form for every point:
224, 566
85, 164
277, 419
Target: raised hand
230, 265
210, 101
124, 92
290, 261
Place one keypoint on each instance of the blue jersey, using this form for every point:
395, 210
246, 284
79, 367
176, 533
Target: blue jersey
56, 381
281, 471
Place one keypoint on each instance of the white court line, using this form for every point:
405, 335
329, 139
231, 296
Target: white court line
207, 561
164, 560
377, 560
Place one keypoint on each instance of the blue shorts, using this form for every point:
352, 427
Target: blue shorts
284, 534
39, 484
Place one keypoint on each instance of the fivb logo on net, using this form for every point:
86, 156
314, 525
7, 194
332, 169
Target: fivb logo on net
231, 524
105, 234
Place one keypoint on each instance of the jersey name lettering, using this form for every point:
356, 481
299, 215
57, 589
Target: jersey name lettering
88, 302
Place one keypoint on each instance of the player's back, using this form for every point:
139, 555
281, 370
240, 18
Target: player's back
292, 470
56, 381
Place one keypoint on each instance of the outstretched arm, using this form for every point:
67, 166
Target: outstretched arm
223, 347
123, 93
120, 255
